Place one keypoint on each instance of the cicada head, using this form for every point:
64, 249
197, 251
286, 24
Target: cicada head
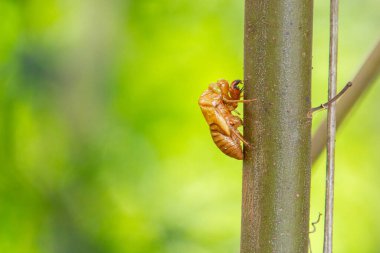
235, 90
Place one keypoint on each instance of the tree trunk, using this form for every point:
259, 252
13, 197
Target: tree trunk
276, 169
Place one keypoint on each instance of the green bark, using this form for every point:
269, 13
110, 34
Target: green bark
276, 169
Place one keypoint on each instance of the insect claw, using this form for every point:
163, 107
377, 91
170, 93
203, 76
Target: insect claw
248, 145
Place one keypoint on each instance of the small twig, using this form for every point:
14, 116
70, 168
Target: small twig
314, 229
315, 223
328, 103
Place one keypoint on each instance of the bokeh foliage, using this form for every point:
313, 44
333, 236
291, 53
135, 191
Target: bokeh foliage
103, 148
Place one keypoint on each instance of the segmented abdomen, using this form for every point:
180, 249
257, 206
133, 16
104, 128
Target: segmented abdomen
229, 145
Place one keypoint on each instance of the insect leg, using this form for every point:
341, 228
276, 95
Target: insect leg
238, 101
235, 121
240, 137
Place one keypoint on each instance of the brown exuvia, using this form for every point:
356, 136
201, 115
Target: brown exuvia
217, 104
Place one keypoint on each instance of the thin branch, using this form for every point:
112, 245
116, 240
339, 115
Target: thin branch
363, 79
331, 129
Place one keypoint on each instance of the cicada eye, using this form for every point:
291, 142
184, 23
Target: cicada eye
235, 84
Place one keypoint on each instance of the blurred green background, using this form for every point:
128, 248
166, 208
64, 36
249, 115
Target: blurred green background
103, 147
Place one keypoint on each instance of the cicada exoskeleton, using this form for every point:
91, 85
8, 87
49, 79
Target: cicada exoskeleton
217, 104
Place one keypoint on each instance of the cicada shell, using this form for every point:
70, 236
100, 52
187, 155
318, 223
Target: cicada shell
217, 104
